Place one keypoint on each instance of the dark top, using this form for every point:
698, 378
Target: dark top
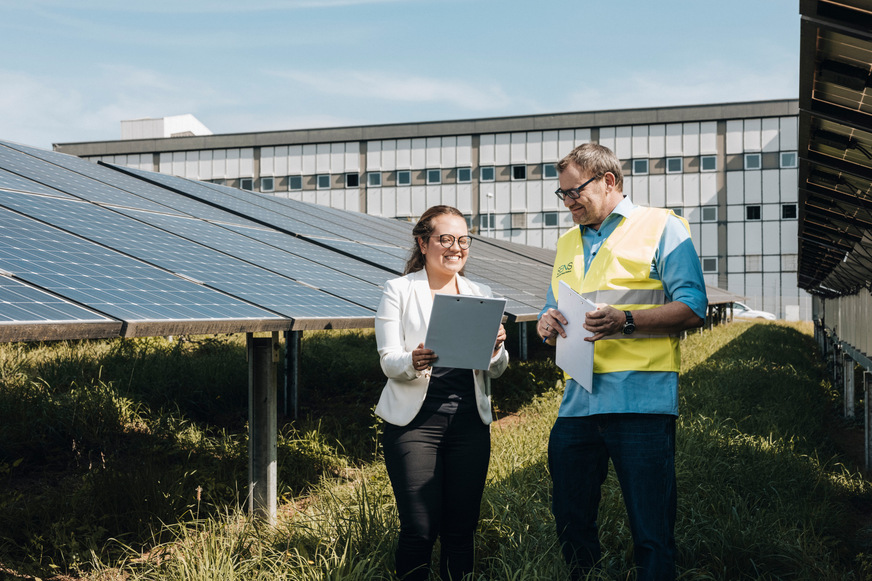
450, 391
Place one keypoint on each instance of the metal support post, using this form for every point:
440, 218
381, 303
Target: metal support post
522, 339
293, 342
263, 357
867, 424
850, 397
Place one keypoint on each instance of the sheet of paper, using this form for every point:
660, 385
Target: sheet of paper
574, 354
463, 330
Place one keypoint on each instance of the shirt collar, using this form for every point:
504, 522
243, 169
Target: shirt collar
622, 210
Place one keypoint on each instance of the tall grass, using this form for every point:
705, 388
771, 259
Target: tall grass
763, 493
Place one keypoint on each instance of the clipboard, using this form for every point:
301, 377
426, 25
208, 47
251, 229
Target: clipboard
575, 355
463, 330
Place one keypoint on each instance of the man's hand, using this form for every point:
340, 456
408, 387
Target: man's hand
550, 325
604, 321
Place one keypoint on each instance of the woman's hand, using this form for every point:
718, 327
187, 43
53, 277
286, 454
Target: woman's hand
501, 337
422, 358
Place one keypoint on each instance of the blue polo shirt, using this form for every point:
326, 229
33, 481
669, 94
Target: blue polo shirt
677, 265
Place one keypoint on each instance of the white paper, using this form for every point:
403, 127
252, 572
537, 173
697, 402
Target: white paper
574, 354
463, 330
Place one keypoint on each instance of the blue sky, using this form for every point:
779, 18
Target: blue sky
72, 70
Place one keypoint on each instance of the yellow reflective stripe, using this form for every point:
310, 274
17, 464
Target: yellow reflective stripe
627, 296
636, 336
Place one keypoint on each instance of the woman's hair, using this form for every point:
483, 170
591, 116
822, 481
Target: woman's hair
422, 231
595, 159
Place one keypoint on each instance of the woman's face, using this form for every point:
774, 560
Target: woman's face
441, 260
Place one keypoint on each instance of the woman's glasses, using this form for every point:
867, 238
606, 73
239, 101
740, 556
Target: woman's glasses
447, 241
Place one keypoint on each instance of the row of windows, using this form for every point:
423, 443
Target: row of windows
752, 263
708, 163
710, 213
488, 222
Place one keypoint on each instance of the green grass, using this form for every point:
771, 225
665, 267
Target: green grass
128, 459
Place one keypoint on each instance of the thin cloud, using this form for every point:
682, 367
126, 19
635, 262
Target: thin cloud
194, 6
47, 112
713, 83
408, 89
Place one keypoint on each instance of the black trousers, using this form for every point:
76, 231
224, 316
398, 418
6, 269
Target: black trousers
437, 465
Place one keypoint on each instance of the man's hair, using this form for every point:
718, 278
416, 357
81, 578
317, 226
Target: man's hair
595, 159
423, 230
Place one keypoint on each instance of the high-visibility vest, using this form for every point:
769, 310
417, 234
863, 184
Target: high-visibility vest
620, 277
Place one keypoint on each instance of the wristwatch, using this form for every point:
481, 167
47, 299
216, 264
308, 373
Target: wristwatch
629, 326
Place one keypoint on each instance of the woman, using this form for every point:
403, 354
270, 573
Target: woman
437, 434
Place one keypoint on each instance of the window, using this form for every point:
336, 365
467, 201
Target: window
709, 264
788, 159
434, 176
323, 182
677, 211
753, 161
753, 262
640, 167
267, 184
550, 218
487, 174
674, 165
752, 212
519, 172
246, 184
549, 171
352, 180
468, 218
464, 175
373, 179
519, 220
708, 163
295, 183
404, 178
710, 214
788, 211
487, 221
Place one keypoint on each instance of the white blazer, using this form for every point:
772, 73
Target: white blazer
400, 326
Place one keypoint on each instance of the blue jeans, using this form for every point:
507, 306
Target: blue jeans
642, 450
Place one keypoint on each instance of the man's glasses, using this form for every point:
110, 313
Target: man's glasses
447, 241
573, 193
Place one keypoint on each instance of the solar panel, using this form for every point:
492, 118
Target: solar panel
266, 210
28, 313
162, 254
60, 178
253, 251
142, 192
23, 303
107, 281
498, 269
12, 181
309, 250
183, 257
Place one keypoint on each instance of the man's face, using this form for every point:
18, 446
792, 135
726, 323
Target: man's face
591, 207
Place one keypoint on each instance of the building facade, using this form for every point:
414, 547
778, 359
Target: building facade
729, 169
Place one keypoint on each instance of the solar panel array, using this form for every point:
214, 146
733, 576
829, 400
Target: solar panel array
90, 250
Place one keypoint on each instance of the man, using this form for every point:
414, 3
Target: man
640, 267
